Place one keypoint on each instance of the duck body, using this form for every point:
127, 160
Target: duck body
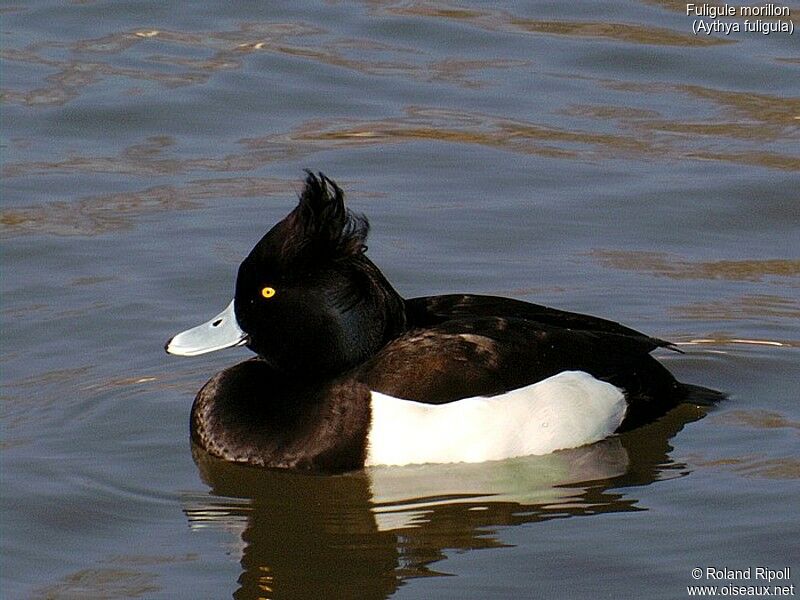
349, 374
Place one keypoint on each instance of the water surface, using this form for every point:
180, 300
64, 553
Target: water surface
595, 157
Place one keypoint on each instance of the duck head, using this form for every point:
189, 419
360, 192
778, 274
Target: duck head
307, 298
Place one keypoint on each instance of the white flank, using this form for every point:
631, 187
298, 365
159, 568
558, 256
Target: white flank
567, 410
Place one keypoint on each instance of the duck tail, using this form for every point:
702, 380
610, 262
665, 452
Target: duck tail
702, 396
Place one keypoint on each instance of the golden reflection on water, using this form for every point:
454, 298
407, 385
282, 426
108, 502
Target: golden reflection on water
147, 158
75, 69
755, 419
96, 215
418, 124
745, 307
123, 576
623, 32
495, 20
743, 117
461, 127
761, 109
643, 135
661, 264
104, 582
753, 466
769, 160
762, 307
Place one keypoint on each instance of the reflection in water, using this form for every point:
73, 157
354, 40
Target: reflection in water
360, 535
637, 136
757, 419
124, 576
147, 158
781, 273
736, 127
106, 582
623, 32
500, 20
86, 62
96, 215
767, 306
755, 120
665, 265
754, 466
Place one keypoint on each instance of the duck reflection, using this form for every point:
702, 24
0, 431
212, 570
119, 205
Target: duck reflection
360, 535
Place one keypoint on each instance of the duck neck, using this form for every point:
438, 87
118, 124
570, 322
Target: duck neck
366, 327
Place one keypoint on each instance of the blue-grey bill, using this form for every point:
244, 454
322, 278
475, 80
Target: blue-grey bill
220, 332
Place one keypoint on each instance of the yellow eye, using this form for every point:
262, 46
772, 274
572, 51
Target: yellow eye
267, 292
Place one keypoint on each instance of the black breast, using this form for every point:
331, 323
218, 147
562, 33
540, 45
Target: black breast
252, 414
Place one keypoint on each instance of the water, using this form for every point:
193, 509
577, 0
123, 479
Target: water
596, 157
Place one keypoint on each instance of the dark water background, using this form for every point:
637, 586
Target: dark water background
593, 156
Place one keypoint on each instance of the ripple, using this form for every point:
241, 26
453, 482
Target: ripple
224, 50
661, 264
494, 20
147, 158
756, 108
97, 215
106, 582
756, 419
754, 467
737, 135
621, 32
745, 307
769, 160
641, 135
430, 123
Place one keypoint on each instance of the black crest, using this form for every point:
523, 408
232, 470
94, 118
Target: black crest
318, 230
321, 227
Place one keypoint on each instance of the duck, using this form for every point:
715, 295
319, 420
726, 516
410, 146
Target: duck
348, 374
